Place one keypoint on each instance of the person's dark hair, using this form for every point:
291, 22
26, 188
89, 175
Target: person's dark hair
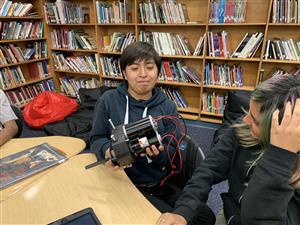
139, 51
273, 94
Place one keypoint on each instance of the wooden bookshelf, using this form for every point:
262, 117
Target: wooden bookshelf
23, 78
258, 19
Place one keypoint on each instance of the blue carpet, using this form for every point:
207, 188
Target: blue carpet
203, 135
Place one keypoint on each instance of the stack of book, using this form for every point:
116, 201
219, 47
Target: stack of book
64, 12
287, 49
14, 30
118, 41
227, 11
168, 12
111, 83
83, 63
72, 39
200, 46
223, 75
38, 70
10, 77
12, 53
116, 12
110, 66
213, 103
175, 95
24, 94
166, 43
248, 46
286, 11
218, 44
177, 71
71, 85
18, 9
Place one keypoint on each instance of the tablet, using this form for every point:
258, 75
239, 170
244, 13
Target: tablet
82, 217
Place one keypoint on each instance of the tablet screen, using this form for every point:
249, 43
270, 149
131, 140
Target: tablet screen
83, 217
82, 220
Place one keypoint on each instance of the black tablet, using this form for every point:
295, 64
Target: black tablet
82, 217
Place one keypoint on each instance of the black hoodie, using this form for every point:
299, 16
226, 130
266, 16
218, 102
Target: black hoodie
268, 200
113, 105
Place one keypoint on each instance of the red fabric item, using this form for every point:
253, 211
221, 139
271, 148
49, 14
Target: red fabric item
48, 107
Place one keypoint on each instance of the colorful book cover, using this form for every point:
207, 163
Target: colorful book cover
18, 166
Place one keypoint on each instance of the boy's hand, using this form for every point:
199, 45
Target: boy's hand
153, 151
109, 163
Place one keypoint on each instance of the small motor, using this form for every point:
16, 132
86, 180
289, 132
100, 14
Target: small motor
127, 141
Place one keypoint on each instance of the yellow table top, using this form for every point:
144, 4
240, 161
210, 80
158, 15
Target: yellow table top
69, 145
69, 187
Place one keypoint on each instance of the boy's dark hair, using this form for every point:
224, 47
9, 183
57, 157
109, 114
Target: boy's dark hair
139, 51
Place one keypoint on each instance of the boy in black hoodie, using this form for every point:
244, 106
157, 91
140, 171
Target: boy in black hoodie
131, 101
251, 150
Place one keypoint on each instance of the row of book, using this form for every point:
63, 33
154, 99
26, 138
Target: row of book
167, 12
223, 75
170, 70
218, 44
24, 94
286, 11
15, 30
110, 66
10, 8
115, 12
117, 42
282, 49
80, 63
72, 39
248, 46
282, 72
175, 95
227, 11
277, 71
13, 76
71, 85
10, 77
177, 71
213, 103
111, 83
12, 53
65, 12
166, 43
39, 69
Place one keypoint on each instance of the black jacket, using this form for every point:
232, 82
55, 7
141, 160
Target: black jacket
269, 187
112, 105
229, 160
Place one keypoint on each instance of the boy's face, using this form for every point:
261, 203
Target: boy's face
141, 77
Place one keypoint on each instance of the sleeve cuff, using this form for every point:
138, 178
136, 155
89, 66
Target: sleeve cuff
184, 211
279, 157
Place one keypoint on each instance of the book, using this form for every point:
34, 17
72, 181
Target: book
18, 166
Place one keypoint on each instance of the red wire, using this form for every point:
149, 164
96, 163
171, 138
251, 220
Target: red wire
178, 126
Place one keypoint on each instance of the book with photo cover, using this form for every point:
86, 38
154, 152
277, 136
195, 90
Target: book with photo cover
18, 166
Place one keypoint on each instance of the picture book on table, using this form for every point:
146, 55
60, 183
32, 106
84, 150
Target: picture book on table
18, 166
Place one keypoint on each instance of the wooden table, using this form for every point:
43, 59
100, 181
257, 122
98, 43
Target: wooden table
69, 145
69, 187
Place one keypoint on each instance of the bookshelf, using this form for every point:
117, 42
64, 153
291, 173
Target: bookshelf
127, 26
24, 59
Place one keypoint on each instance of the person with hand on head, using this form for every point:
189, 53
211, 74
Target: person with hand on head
132, 100
8, 125
259, 156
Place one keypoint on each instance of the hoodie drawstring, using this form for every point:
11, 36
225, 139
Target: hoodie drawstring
126, 119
